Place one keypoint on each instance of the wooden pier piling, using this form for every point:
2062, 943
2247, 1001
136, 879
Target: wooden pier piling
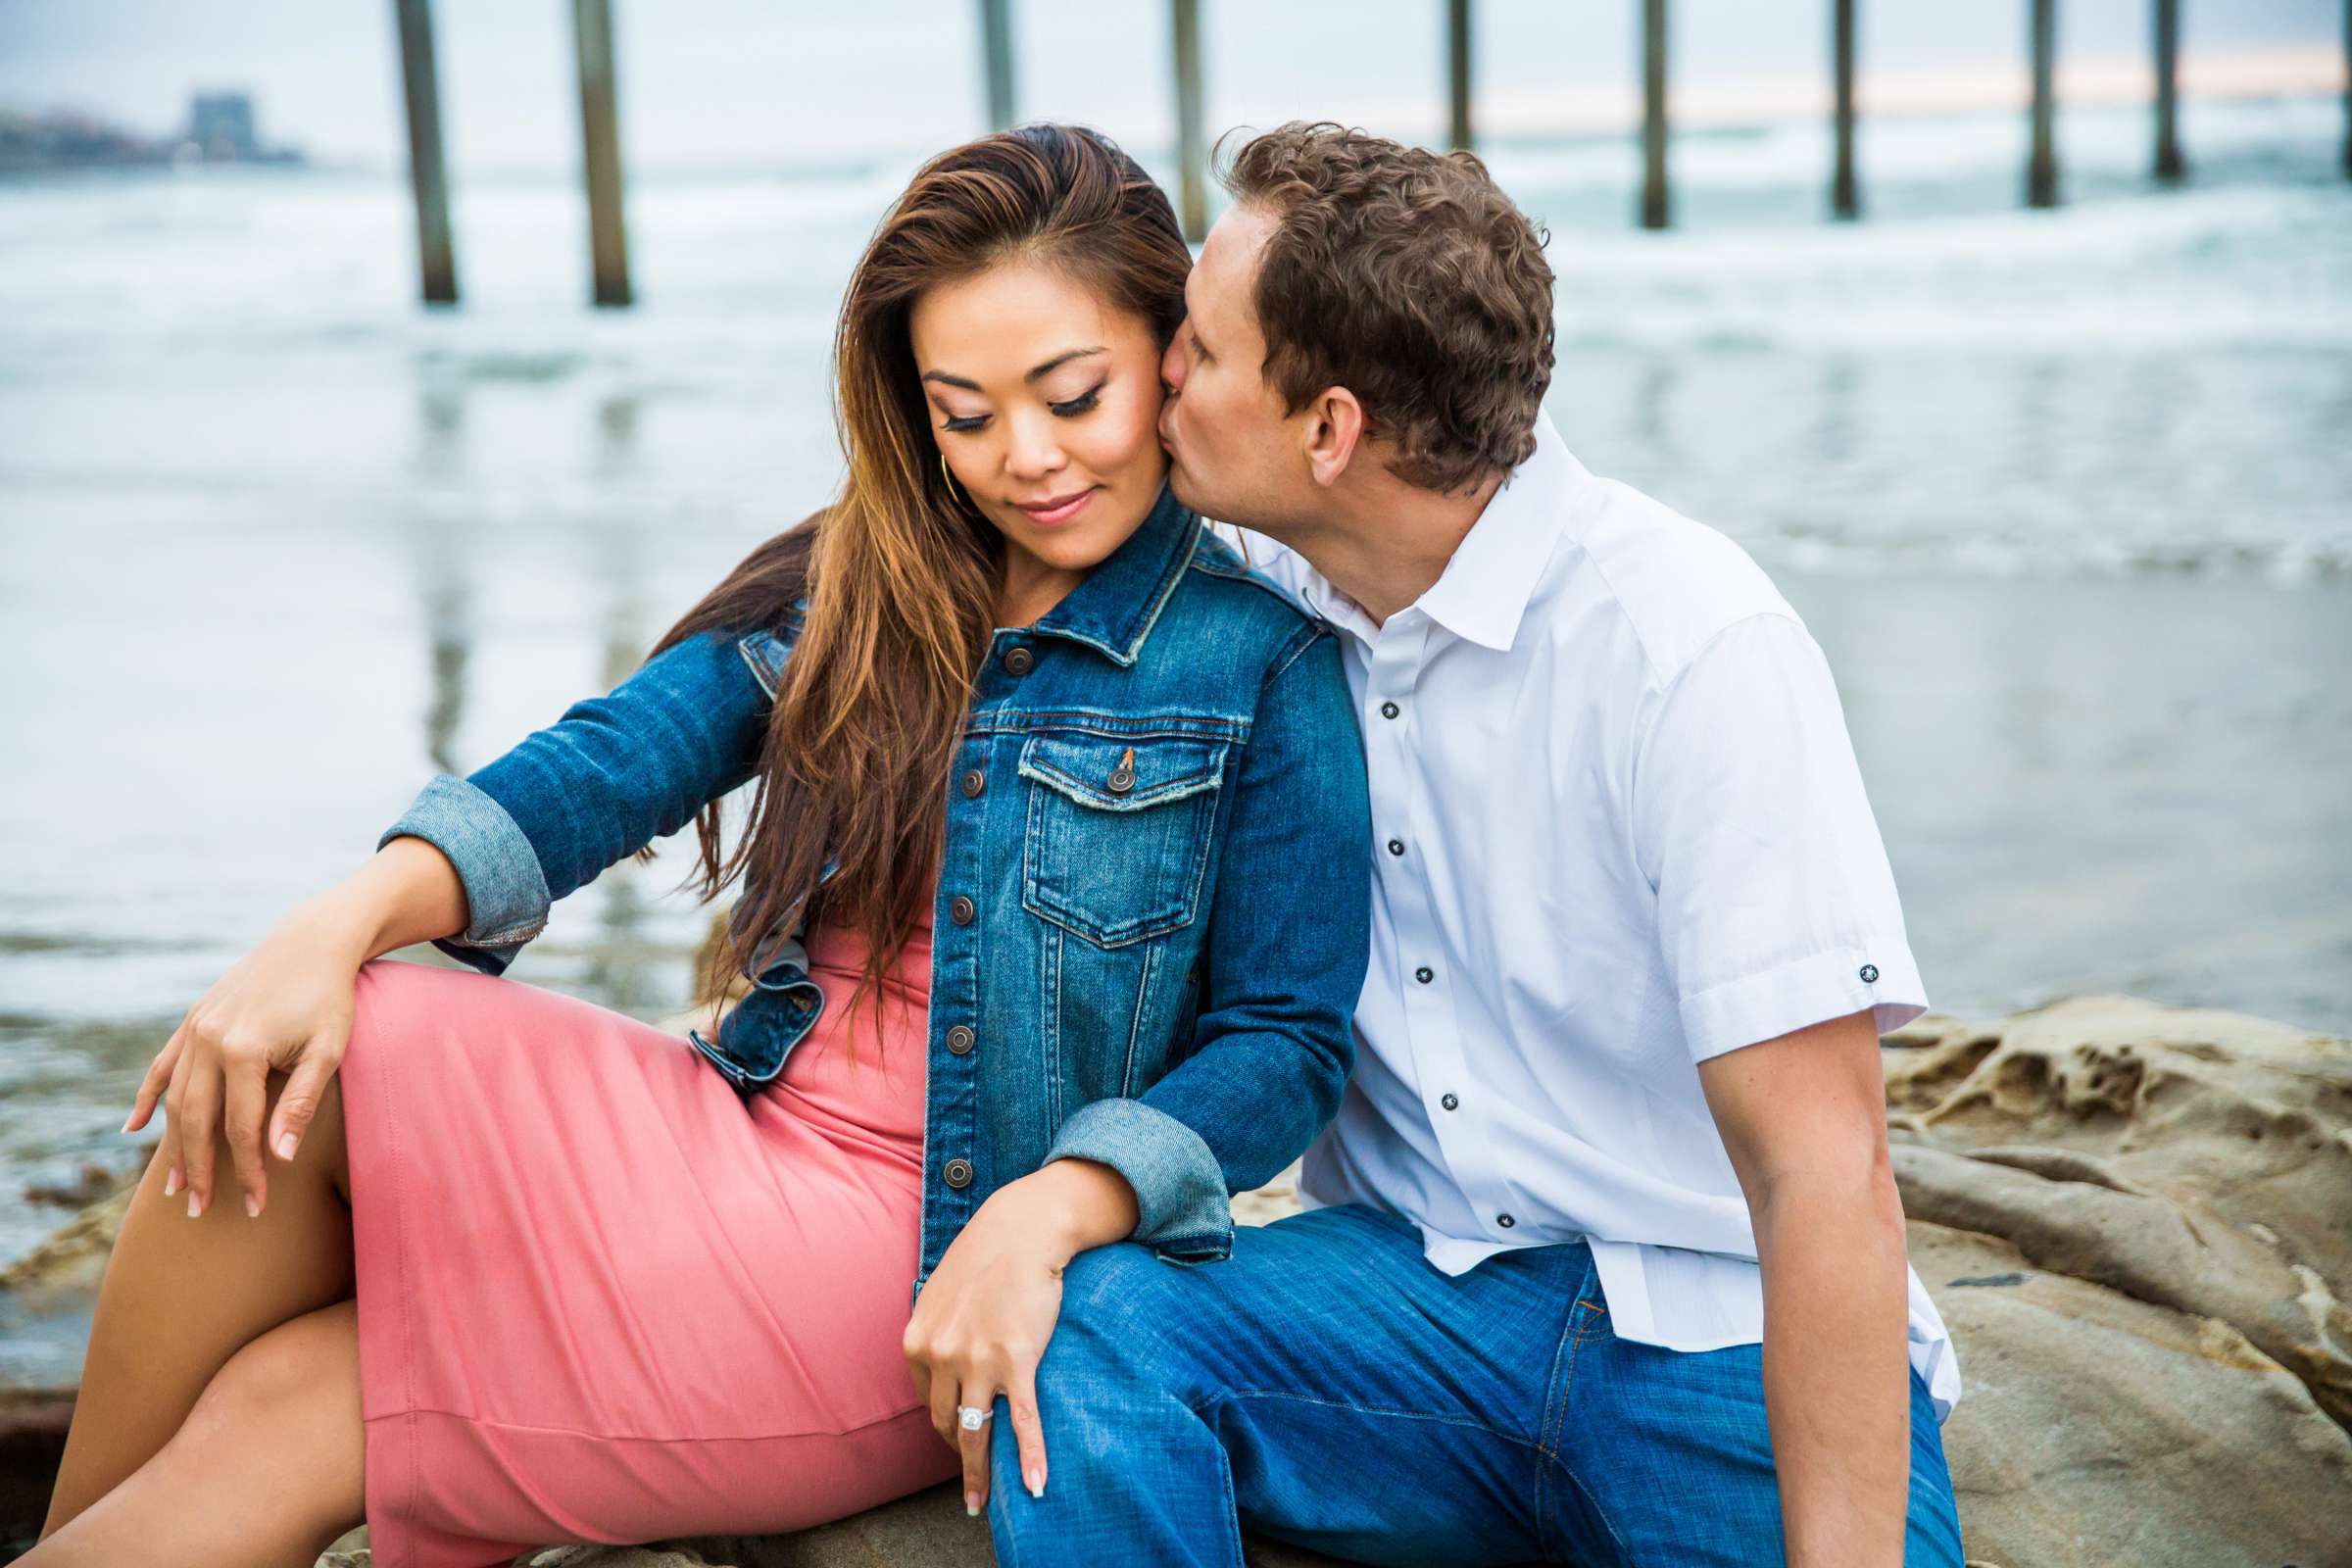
2170, 167
2042, 172
996, 50
1656, 207
427, 172
1192, 147
1457, 72
600, 134
1845, 198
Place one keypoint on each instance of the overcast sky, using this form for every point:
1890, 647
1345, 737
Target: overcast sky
736, 81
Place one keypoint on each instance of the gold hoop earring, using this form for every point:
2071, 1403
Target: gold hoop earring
949, 479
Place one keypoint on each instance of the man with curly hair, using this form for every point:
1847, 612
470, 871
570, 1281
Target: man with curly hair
1603, 1261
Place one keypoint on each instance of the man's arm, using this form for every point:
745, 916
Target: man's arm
1805, 1119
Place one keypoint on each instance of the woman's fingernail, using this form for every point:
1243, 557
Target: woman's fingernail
285, 1145
253, 1206
971, 1505
126, 1121
171, 1181
191, 1203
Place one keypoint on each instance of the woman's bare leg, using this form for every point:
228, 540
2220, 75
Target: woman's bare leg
181, 1297
267, 1470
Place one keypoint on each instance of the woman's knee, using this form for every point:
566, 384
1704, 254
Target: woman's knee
292, 1378
287, 1405
388, 994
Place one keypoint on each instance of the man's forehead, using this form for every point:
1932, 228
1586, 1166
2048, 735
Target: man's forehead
1229, 256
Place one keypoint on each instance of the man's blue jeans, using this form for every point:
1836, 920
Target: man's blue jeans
1331, 1388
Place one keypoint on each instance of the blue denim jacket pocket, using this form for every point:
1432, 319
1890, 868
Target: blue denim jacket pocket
1119, 831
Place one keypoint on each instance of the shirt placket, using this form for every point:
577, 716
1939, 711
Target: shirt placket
1454, 1102
1394, 720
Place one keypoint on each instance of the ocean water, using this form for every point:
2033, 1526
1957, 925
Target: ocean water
2066, 496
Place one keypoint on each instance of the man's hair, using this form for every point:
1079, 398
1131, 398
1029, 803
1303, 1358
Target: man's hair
1408, 277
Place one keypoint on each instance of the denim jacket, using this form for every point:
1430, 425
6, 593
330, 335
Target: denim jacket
1153, 908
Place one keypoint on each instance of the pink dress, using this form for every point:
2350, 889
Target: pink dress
602, 1297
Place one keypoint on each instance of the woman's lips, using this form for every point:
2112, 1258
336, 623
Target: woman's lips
1054, 513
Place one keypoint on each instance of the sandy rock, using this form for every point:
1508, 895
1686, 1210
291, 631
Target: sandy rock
929, 1530
32, 1438
2134, 1219
2251, 1118
2151, 1248
2098, 1430
2190, 1159
72, 1257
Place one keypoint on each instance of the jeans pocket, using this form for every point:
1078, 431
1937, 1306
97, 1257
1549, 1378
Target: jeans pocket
1119, 831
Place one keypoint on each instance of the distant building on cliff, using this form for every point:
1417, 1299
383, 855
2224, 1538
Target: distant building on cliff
220, 127
223, 128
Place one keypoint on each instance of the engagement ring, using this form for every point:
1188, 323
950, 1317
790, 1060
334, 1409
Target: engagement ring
972, 1417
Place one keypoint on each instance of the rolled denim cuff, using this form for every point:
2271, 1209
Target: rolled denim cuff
1185, 1214
506, 892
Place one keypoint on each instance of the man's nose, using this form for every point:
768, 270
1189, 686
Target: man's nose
1171, 364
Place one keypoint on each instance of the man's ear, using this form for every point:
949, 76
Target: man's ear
1334, 425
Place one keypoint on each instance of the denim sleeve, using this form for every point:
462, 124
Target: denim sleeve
611, 775
1289, 935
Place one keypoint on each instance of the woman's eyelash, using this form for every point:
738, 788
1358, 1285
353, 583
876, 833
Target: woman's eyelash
1083, 403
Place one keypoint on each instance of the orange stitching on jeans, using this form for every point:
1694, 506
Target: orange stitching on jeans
1556, 1420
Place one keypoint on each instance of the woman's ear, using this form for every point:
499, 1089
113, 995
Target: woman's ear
1333, 425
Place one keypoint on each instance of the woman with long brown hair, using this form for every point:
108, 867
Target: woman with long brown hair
1034, 765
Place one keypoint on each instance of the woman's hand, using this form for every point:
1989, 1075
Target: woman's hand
985, 1315
287, 1005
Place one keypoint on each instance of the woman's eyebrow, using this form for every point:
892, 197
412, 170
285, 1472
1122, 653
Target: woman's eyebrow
1045, 369
1061, 360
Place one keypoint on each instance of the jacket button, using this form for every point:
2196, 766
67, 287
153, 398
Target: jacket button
1019, 660
960, 1040
1425, 974
1450, 1102
1395, 846
1506, 1221
957, 1174
1870, 974
960, 909
973, 783
1389, 710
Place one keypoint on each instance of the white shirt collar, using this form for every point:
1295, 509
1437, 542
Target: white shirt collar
1482, 594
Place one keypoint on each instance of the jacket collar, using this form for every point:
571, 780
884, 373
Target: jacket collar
1120, 601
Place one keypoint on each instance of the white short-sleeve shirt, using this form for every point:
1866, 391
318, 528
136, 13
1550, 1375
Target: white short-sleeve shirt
1620, 830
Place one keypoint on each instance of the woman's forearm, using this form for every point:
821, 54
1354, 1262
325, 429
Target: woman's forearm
1081, 1203
407, 893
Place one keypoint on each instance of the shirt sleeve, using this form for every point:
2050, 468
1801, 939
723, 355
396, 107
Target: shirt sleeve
1777, 908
